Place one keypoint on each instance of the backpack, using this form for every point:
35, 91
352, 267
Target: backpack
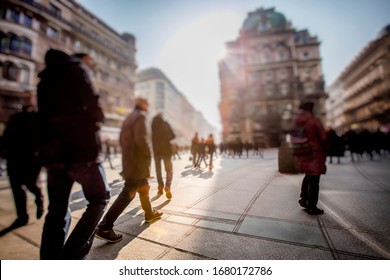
298, 142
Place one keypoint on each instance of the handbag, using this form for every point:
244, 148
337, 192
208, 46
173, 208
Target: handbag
298, 142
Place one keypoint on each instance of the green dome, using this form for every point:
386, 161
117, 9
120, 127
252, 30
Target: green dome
277, 20
264, 19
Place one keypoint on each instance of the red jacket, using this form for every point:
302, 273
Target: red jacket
313, 164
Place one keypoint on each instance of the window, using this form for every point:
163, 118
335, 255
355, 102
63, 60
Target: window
264, 25
309, 88
15, 43
52, 33
24, 74
54, 10
77, 45
3, 12
27, 20
10, 71
26, 45
4, 41
269, 89
284, 89
15, 16
306, 55
159, 86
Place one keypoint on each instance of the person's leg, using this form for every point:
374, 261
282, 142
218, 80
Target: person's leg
31, 184
123, 200
105, 229
57, 221
143, 191
211, 161
169, 176
20, 199
96, 191
313, 192
157, 162
304, 192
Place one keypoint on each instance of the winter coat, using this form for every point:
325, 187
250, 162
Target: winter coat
136, 155
313, 164
69, 112
20, 144
162, 134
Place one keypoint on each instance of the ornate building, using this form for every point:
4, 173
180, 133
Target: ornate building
30, 27
265, 74
360, 96
165, 98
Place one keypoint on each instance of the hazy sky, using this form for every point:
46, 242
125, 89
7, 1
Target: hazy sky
185, 38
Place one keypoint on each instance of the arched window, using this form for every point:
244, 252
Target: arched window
24, 74
15, 43
282, 52
267, 55
11, 71
26, 45
4, 41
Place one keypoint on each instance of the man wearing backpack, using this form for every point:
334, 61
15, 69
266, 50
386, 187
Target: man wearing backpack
312, 164
70, 121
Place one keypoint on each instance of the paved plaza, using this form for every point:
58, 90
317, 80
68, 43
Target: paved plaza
243, 209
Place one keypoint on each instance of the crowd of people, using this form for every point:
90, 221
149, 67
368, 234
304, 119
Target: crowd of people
359, 143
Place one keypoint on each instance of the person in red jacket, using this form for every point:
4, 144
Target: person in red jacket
312, 164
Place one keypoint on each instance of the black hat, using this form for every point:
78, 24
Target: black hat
307, 106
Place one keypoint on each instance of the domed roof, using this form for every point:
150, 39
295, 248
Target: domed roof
384, 32
264, 19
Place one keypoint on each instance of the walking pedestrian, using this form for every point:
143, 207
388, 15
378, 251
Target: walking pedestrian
136, 158
70, 120
312, 164
19, 146
195, 149
162, 135
211, 149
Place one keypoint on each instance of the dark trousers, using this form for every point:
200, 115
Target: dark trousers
168, 170
28, 177
123, 200
310, 189
60, 180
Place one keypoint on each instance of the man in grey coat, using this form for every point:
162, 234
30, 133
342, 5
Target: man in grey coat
136, 159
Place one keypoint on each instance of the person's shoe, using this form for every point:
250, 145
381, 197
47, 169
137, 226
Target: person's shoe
153, 216
160, 190
168, 193
108, 235
315, 211
303, 203
19, 222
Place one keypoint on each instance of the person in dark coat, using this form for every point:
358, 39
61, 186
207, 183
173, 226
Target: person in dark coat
312, 165
336, 146
20, 147
70, 118
162, 134
136, 159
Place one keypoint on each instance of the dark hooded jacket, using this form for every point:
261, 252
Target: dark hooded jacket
69, 111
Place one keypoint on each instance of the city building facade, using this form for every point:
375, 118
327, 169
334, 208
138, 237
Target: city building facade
266, 72
30, 27
361, 93
164, 98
